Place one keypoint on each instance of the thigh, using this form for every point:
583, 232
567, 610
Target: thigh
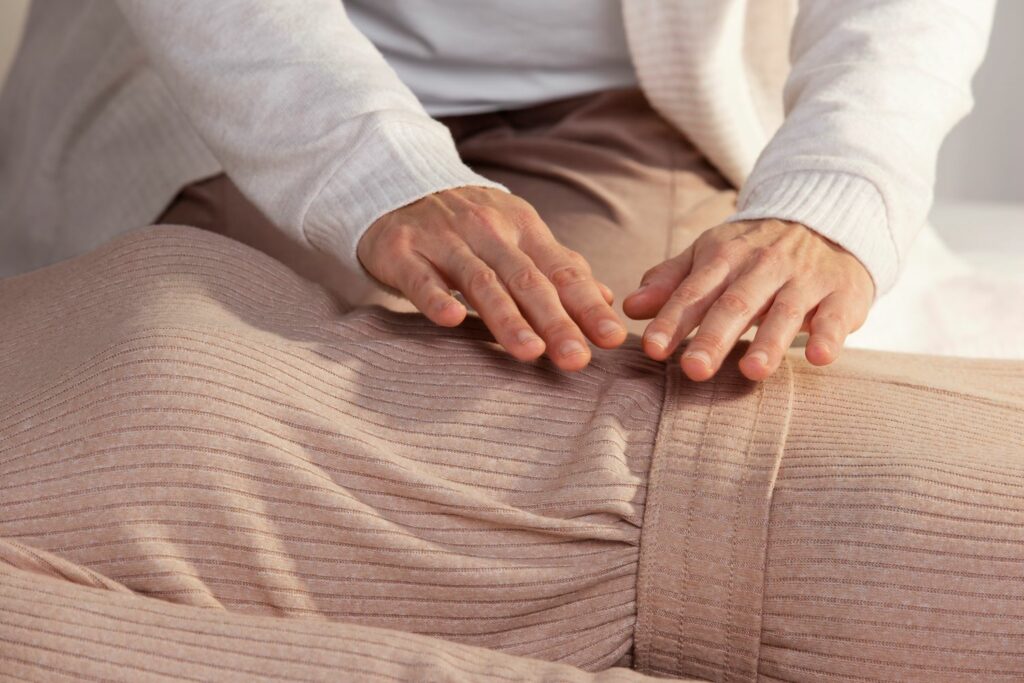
896, 538
186, 417
860, 521
611, 178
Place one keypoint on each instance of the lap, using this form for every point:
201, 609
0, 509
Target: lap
184, 418
202, 426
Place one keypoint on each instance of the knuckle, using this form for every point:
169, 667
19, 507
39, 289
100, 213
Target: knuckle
788, 310
711, 341
523, 215
485, 218
734, 303
593, 311
526, 279
577, 259
831, 317
481, 280
730, 250
767, 256
686, 294
557, 327
420, 281
565, 276
718, 263
509, 320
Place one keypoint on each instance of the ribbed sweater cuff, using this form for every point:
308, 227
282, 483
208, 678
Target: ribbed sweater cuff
845, 208
394, 164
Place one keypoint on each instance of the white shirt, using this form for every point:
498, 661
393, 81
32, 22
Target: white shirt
463, 57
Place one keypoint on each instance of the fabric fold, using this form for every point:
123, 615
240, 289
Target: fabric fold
702, 552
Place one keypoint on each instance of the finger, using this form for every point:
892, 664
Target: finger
538, 299
577, 291
606, 292
420, 282
829, 327
657, 286
686, 307
481, 286
787, 315
728, 318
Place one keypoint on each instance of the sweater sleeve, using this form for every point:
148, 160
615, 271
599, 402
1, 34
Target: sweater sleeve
874, 88
302, 111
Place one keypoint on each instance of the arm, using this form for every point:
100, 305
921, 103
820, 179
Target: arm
838, 195
302, 111
318, 131
874, 89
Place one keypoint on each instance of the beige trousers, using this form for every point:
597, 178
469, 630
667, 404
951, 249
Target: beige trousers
210, 472
611, 178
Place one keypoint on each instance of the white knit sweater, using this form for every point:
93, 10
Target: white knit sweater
831, 115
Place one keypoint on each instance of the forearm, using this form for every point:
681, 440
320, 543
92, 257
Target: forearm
874, 89
302, 111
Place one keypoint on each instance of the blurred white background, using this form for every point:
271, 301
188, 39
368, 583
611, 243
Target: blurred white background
962, 289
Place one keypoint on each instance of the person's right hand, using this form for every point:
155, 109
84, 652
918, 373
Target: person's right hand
494, 248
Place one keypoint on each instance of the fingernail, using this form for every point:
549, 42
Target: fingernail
759, 356
571, 347
607, 328
659, 339
699, 355
527, 338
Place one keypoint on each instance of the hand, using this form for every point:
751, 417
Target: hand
779, 275
494, 248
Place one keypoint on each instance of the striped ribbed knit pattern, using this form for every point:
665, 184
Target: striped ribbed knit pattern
862, 521
896, 549
207, 472
184, 415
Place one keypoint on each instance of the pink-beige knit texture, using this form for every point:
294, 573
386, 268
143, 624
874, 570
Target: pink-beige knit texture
208, 471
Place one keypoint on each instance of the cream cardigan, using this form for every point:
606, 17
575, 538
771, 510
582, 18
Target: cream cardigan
831, 115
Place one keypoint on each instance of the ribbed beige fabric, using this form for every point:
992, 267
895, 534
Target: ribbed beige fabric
207, 472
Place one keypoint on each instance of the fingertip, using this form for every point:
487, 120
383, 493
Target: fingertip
754, 368
450, 314
639, 310
574, 362
656, 345
609, 334
529, 346
696, 369
696, 366
818, 353
528, 353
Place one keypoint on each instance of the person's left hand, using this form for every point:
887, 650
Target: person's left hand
781, 276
